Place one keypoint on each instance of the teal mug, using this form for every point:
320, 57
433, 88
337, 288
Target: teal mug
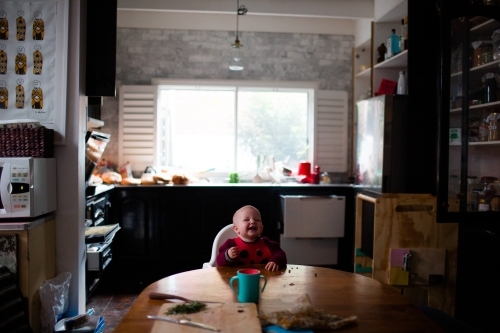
248, 285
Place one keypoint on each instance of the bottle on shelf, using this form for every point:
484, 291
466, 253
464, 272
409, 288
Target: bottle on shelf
402, 37
382, 53
493, 128
392, 44
490, 87
401, 84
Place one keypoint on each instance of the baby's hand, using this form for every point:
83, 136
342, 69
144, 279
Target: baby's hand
272, 266
233, 252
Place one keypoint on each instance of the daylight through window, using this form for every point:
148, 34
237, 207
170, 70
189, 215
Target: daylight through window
232, 128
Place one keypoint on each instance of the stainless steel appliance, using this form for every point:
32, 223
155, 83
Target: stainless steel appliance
27, 186
382, 143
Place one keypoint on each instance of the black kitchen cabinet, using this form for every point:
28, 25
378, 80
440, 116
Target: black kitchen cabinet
468, 151
101, 48
468, 59
99, 247
170, 229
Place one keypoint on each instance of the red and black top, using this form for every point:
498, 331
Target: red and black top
261, 251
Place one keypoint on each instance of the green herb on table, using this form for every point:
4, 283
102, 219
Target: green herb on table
190, 307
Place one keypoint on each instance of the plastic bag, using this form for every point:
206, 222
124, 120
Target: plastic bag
54, 299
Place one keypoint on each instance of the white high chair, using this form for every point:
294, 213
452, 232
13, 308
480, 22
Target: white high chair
223, 235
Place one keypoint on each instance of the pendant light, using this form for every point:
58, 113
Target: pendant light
237, 63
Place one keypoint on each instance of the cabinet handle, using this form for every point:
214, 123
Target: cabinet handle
320, 197
99, 214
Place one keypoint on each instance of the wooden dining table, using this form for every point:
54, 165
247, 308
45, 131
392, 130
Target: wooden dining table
379, 307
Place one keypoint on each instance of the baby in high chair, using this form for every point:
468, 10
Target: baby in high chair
249, 247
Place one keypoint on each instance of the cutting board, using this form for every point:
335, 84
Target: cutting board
228, 317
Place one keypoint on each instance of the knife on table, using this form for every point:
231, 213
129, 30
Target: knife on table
185, 322
163, 296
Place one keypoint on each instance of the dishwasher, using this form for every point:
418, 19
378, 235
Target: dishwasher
312, 226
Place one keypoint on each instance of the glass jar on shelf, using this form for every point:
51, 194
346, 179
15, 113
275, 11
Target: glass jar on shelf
495, 203
483, 128
493, 128
472, 184
483, 205
486, 183
476, 196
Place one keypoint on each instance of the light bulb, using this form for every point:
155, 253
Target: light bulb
236, 63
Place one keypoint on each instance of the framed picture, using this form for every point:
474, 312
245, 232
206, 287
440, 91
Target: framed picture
33, 62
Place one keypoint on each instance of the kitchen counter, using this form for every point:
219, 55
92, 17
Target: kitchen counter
176, 224
286, 185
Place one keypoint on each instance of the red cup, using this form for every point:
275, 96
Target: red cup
304, 169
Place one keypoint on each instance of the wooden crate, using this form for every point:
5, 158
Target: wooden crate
409, 221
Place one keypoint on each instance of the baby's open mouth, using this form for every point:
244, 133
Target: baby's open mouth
252, 228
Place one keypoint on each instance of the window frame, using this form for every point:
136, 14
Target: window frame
311, 88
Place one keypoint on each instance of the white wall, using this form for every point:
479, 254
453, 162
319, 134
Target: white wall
70, 214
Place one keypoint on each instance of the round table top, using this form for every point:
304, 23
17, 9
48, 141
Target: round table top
379, 307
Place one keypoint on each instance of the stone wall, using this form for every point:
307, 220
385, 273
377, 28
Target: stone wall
143, 54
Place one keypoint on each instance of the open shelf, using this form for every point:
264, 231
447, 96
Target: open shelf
364, 73
400, 60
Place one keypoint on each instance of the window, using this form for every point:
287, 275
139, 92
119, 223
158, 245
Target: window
233, 128
231, 125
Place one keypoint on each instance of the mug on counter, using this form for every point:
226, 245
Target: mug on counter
248, 285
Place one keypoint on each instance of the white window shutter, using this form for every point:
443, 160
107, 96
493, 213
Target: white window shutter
331, 130
137, 126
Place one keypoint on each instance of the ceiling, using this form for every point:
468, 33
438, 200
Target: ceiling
292, 8
290, 16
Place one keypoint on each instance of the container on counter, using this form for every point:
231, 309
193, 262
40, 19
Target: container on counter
233, 178
316, 175
325, 178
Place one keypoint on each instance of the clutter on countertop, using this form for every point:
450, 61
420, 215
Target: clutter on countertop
274, 172
303, 315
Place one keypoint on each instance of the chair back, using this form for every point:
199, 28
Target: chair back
223, 235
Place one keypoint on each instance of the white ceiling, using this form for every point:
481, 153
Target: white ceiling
291, 8
291, 16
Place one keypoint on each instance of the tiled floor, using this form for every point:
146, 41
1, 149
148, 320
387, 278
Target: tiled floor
112, 305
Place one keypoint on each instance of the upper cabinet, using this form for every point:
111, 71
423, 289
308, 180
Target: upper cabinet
469, 137
371, 64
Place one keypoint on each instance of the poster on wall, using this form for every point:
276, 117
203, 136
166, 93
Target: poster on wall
33, 53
